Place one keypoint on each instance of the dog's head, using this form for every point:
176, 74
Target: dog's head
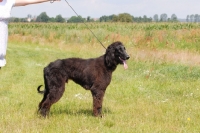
116, 54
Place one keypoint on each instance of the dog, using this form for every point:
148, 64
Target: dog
92, 74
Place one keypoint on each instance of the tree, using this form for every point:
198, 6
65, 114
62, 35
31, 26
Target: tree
188, 18
106, 18
174, 18
137, 19
155, 18
22, 20
196, 18
111, 17
75, 19
124, 17
59, 19
42, 17
103, 19
16, 20
145, 19
89, 19
115, 18
142, 19
163, 17
192, 18
52, 19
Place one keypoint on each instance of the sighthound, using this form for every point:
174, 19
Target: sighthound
92, 74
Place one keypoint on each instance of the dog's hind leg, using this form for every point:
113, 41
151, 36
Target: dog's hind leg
46, 91
44, 105
52, 97
54, 91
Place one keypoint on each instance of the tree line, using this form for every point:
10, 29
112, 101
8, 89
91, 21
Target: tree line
43, 17
193, 18
123, 17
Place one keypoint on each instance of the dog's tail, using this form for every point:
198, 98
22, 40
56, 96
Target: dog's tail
39, 91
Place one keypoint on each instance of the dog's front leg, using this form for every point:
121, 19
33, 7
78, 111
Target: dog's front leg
97, 102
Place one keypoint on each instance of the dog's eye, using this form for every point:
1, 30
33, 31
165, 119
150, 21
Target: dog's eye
122, 48
119, 49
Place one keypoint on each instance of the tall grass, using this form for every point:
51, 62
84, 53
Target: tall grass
158, 93
151, 35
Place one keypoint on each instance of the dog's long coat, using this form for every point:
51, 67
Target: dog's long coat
92, 74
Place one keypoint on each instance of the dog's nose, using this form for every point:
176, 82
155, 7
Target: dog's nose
127, 57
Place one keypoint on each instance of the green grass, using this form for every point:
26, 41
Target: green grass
159, 93
148, 97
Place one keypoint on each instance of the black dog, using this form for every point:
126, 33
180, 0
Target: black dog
92, 74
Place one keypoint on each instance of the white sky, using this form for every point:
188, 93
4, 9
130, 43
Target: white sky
98, 8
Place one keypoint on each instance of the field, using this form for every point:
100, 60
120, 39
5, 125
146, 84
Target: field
158, 93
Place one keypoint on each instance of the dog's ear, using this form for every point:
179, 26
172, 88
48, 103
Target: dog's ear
109, 56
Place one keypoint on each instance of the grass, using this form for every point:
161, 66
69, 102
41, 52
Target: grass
158, 93
146, 35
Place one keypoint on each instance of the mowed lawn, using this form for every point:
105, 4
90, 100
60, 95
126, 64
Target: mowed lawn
148, 97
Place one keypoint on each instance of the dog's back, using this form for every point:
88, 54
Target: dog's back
82, 71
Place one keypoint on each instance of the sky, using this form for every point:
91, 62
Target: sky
98, 8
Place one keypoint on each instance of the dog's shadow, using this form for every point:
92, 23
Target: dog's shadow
75, 112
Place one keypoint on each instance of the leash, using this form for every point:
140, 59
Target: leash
83, 22
86, 25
